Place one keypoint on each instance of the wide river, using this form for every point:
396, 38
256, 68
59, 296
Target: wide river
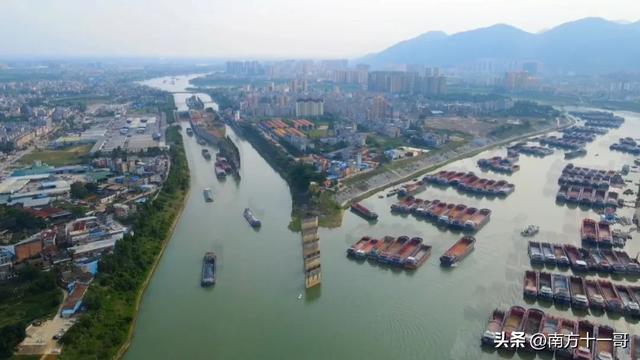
361, 311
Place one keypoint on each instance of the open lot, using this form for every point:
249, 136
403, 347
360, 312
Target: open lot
69, 156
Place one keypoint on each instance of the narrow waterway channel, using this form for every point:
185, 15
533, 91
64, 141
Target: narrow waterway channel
362, 310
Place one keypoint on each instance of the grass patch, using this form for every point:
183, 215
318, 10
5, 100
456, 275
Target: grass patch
70, 156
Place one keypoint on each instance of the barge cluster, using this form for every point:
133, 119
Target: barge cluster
573, 142
594, 341
599, 119
403, 252
524, 148
470, 183
626, 145
583, 259
457, 216
581, 293
589, 187
504, 165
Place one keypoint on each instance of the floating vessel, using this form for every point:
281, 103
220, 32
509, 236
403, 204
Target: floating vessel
532, 324
513, 321
455, 212
568, 328
208, 195
545, 287
251, 219
189, 131
530, 286
604, 349
405, 251
208, 269
535, 253
632, 266
602, 264
478, 220
419, 257
629, 303
596, 300
579, 299
577, 263
386, 256
550, 325
561, 256
353, 249
610, 295
458, 251
381, 247
604, 234
575, 153
586, 196
530, 230
589, 231
585, 346
194, 103
561, 292
493, 328
206, 154
616, 266
562, 194
363, 211
548, 253
459, 221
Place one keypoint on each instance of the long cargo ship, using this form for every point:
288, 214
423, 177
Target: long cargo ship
208, 269
251, 218
363, 211
458, 251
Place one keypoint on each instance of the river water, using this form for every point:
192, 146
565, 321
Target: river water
361, 311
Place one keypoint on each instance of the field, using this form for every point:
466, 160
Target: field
68, 156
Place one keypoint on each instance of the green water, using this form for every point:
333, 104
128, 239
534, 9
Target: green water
361, 310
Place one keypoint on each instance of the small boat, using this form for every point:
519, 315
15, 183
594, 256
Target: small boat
589, 231
611, 298
568, 328
604, 234
251, 219
208, 194
604, 349
513, 321
585, 343
206, 154
561, 256
458, 251
493, 328
530, 230
545, 287
629, 303
532, 324
535, 252
419, 257
561, 292
579, 299
363, 211
530, 286
548, 253
208, 269
596, 300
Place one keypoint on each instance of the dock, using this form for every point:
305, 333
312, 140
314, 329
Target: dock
311, 252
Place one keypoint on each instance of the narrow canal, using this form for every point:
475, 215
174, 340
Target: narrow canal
361, 310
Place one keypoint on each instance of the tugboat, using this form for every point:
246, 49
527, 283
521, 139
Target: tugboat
208, 269
251, 219
530, 230
208, 195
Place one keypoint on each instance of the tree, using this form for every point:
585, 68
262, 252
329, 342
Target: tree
78, 190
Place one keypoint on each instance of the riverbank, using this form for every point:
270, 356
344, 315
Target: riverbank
105, 330
393, 177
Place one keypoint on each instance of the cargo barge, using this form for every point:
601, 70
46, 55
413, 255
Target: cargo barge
402, 252
364, 212
470, 183
208, 277
251, 218
499, 164
456, 216
456, 253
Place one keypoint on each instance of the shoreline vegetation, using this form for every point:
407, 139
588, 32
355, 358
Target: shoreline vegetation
112, 301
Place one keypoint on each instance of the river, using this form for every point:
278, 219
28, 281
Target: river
361, 310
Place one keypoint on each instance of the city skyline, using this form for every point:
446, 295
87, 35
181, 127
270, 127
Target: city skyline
280, 29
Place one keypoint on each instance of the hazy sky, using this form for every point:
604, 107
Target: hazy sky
267, 28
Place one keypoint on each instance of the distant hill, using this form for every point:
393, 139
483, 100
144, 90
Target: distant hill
591, 45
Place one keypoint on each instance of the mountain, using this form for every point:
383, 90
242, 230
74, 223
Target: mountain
591, 45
